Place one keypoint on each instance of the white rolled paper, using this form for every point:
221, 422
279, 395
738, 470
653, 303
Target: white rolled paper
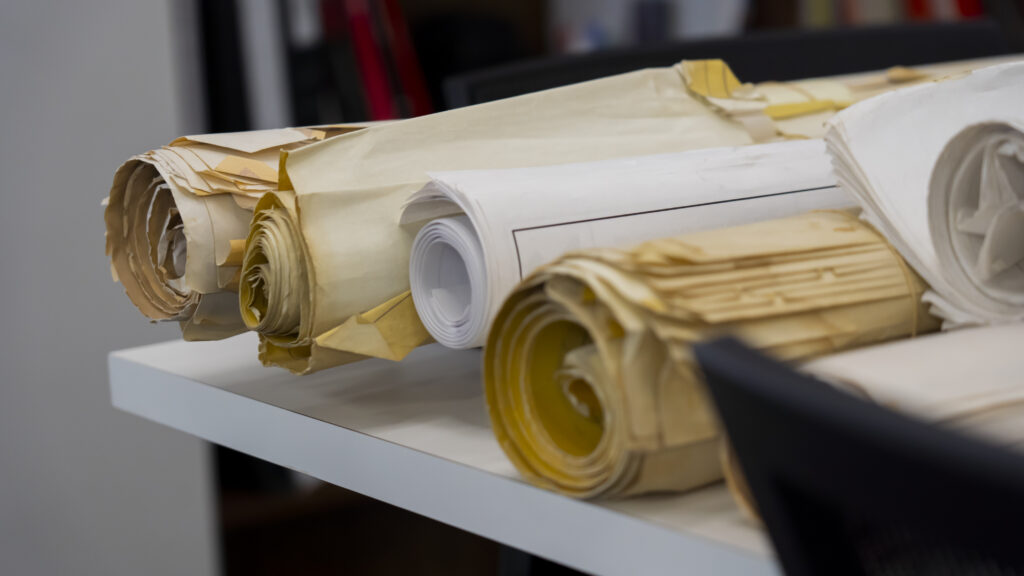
488, 229
939, 169
976, 214
450, 290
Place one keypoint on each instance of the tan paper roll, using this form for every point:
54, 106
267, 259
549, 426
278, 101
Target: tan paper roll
347, 194
177, 216
591, 386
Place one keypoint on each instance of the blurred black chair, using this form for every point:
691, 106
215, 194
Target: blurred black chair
783, 55
846, 487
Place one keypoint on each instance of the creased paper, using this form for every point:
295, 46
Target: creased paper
349, 193
177, 218
799, 109
591, 385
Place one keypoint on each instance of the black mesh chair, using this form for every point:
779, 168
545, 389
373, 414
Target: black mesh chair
780, 55
846, 487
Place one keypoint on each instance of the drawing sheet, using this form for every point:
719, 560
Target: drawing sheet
488, 229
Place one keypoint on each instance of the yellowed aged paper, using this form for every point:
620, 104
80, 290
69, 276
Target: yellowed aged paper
349, 192
591, 385
177, 218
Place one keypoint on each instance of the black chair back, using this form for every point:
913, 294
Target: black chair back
847, 487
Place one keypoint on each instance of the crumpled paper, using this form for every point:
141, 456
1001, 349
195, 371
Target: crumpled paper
591, 385
346, 197
177, 218
938, 169
340, 222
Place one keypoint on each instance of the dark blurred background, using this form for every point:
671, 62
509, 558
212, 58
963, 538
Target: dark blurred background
87, 490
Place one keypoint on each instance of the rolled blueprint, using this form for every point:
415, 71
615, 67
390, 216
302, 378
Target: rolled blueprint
968, 380
939, 169
337, 228
591, 385
504, 224
177, 218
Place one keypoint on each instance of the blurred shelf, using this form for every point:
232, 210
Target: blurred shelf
415, 434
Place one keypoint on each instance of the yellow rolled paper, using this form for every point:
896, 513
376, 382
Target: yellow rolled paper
591, 386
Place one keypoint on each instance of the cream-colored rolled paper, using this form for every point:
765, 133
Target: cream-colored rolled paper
591, 385
513, 221
349, 192
177, 218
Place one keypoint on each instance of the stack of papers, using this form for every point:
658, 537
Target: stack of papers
498, 226
590, 381
177, 218
939, 169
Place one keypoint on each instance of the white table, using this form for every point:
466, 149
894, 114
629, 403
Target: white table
415, 434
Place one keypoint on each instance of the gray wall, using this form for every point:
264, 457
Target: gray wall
84, 489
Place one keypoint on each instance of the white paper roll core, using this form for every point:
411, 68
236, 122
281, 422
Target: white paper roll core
976, 209
449, 282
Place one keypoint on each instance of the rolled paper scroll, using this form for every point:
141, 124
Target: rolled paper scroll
506, 223
939, 169
340, 224
591, 385
177, 218
347, 196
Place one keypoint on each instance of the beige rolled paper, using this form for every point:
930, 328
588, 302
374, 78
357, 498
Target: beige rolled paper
177, 218
345, 198
591, 385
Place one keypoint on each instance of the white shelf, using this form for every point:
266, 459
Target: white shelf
415, 434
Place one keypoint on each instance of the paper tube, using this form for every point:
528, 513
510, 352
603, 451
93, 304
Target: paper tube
591, 385
463, 266
349, 191
177, 217
976, 214
938, 169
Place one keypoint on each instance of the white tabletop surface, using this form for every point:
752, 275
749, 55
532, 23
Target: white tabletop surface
415, 434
